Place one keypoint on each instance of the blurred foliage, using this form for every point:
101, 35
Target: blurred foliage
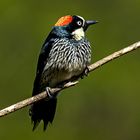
105, 105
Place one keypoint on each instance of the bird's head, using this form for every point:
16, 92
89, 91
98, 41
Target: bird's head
75, 26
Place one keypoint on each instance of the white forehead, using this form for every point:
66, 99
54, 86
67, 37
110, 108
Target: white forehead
82, 19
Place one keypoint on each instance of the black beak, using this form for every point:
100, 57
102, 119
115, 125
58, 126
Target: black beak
88, 23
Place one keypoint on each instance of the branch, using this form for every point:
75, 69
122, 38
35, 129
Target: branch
92, 67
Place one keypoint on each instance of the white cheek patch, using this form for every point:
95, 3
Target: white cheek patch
78, 34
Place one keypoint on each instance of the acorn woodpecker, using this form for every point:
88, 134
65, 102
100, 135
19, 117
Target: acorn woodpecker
65, 53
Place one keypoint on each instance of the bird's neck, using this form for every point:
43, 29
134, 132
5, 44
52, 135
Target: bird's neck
60, 32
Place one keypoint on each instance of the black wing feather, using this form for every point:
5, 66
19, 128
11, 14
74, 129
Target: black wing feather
43, 110
42, 60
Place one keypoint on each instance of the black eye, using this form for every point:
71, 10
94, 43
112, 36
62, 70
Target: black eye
79, 23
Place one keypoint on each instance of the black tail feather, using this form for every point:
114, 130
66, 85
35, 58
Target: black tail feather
43, 110
35, 123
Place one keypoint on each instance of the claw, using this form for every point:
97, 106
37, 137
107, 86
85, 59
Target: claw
48, 92
85, 73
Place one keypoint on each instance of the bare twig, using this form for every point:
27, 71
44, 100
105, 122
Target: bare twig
92, 67
33, 99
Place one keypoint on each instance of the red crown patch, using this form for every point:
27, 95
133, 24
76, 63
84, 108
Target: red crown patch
64, 21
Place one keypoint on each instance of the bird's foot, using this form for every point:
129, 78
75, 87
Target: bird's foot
85, 72
49, 94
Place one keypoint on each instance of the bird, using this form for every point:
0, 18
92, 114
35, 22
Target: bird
66, 53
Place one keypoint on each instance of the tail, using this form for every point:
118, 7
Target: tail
43, 110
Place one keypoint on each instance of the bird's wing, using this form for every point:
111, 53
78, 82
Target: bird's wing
42, 60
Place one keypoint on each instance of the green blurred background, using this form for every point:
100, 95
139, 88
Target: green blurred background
103, 106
